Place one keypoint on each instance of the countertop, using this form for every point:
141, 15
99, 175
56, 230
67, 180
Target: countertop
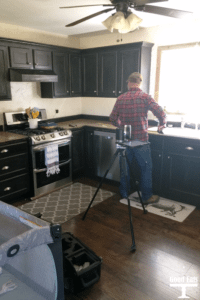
79, 123
9, 137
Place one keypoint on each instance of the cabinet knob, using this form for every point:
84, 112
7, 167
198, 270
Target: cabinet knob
159, 155
95, 91
67, 92
113, 92
168, 157
28, 63
7, 189
120, 92
5, 168
36, 64
72, 92
4, 151
189, 148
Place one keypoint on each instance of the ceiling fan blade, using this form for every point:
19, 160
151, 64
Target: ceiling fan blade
143, 2
86, 5
89, 17
168, 12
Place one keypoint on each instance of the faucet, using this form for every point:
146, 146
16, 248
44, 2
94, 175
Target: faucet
182, 122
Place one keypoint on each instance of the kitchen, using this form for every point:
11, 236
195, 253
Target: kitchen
28, 94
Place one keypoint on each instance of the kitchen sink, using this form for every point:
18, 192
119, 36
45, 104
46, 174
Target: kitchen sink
178, 131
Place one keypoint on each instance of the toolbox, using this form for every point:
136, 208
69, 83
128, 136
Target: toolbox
82, 267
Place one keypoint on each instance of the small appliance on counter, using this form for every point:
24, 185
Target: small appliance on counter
46, 134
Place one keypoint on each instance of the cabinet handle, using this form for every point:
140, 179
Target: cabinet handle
120, 92
29, 63
7, 189
168, 157
113, 92
189, 148
95, 91
5, 168
72, 92
4, 151
159, 155
67, 92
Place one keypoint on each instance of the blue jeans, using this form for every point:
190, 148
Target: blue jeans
142, 156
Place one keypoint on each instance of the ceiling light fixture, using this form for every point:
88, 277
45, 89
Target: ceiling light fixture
122, 24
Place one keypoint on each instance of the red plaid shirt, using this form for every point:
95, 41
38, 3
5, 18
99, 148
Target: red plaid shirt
131, 108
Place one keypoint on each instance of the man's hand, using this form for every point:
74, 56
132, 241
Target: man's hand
160, 128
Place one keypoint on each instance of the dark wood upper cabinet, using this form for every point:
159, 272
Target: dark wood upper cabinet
42, 59
75, 75
128, 62
61, 68
5, 93
21, 57
90, 74
107, 74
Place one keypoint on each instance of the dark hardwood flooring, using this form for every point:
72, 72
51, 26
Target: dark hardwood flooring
166, 250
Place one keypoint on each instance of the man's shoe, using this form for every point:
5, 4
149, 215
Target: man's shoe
153, 199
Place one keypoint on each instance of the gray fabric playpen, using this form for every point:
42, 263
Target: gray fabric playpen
31, 258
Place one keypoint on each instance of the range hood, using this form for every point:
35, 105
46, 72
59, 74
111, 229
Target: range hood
27, 75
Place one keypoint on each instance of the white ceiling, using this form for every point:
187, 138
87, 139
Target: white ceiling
46, 15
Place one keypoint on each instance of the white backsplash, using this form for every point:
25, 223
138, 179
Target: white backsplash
27, 94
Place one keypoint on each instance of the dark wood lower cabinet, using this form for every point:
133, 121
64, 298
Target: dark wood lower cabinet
14, 170
78, 157
176, 169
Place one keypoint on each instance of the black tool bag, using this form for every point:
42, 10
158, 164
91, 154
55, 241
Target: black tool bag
82, 267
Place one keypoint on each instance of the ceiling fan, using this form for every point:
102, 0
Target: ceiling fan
123, 6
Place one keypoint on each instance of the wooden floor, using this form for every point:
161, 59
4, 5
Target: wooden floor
166, 251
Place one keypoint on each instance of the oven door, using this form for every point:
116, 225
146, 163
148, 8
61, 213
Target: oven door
42, 183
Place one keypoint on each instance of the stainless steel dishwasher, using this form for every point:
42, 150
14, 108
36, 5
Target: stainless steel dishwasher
104, 149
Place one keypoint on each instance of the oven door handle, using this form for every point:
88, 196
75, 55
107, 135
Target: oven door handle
41, 148
45, 169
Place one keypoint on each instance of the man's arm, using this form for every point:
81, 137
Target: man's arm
158, 112
114, 116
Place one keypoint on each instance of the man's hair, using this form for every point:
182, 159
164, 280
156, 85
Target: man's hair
135, 78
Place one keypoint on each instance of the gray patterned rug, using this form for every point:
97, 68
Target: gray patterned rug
64, 204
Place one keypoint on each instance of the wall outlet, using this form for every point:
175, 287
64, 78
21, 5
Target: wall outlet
57, 111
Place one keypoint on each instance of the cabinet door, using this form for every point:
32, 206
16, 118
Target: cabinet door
61, 68
42, 59
21, 58
90, 74
5, 93
182, 178
75, 75
108, 74
128, 62
77, 151
89, 152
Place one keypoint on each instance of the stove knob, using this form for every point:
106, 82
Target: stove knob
52, 135
43, 137
66, 132
61, 133
38, 138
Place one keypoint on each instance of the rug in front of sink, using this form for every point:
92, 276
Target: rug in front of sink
64, 204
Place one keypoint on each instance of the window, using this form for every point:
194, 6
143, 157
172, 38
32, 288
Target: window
178, 79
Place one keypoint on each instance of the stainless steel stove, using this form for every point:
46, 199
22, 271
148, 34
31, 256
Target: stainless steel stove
39, 140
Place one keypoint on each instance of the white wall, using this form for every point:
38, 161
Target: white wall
28, 94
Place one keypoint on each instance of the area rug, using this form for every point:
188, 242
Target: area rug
64, 204
170, 209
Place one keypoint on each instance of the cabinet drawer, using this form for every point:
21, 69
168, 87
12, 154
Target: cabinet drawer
14, 149
182, 147
14, 185
13, 164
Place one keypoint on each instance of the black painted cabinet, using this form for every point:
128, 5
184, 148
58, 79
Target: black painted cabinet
90, 74
107, 74
115, 64
42, 59
14, 170
176, 168
89, 152
75, 75
78, 157
128, 62
21, 57
5, 92
68, 68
